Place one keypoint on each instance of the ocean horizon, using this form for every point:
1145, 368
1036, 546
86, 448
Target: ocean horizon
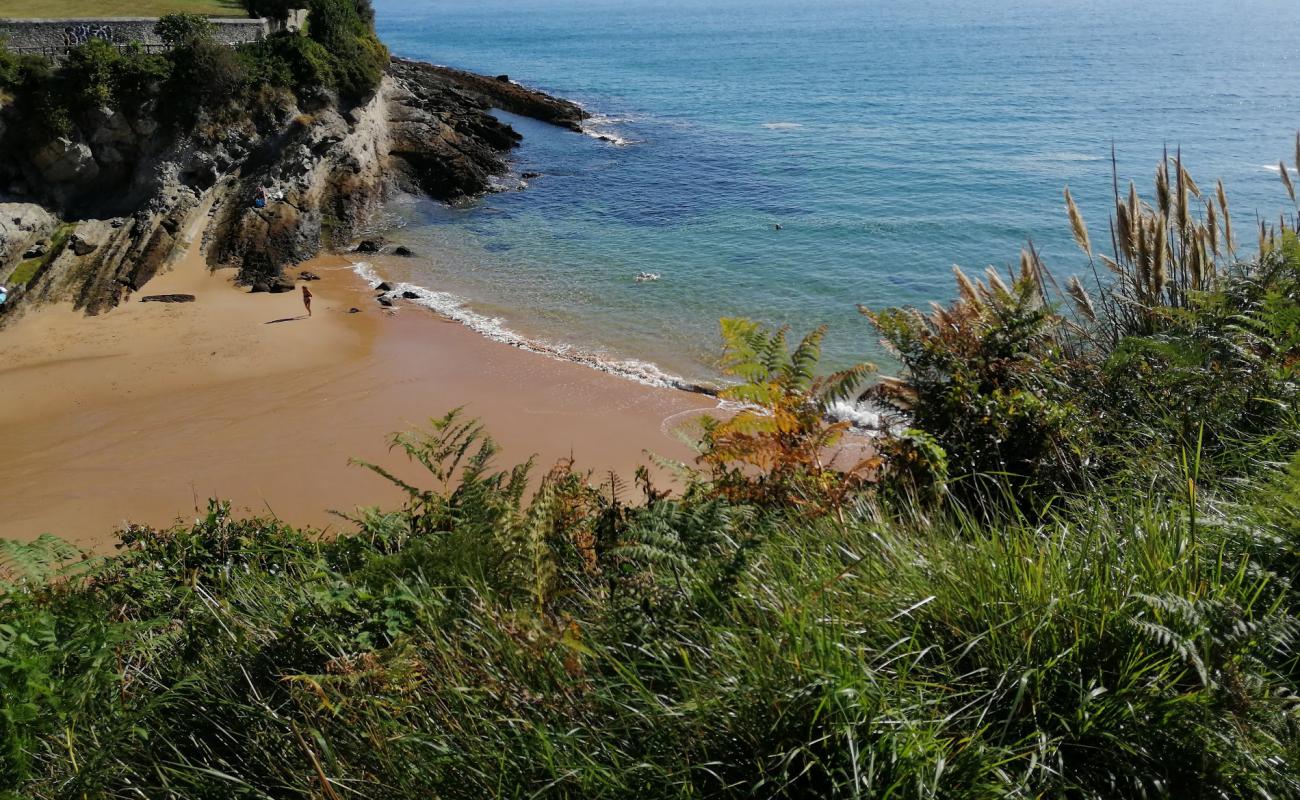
887, 141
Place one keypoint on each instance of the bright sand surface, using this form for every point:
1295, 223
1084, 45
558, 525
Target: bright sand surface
143, 413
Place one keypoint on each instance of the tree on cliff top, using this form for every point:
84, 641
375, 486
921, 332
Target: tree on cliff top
344, 29
182, 29
272, 9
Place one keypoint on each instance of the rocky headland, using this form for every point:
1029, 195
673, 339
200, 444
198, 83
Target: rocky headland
91, 216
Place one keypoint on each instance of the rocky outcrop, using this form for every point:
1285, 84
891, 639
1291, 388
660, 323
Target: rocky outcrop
499, 92
324, 170
23, 228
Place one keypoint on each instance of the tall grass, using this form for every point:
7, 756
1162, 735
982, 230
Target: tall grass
1073, 577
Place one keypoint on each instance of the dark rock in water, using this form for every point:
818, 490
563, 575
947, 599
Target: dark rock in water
369, 246
354, 310
168, 298
410, 295
528, 176
384, 287
696, 388
281, 285
308, 276
497, 92
260, 286
385, 302
402, 250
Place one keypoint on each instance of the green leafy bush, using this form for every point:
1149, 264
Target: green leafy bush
272, 9
343, 29
479, 643
180, 30
1183, 349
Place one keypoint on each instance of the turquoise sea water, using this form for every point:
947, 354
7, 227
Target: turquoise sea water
889, 139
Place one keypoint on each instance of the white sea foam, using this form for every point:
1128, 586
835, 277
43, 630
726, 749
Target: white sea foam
782, 126
603, 127
453, 307
863, 416
1276, 169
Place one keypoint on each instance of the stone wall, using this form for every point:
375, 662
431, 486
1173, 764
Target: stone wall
53, 35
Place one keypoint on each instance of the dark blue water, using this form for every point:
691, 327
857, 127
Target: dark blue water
890, 140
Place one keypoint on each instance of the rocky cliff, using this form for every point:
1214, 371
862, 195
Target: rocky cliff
91, 216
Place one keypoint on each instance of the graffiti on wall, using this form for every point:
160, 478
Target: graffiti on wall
80, 34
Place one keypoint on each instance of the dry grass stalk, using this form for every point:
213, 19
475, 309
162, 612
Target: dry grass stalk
1123, 229
1212, 227
996, 284
1191, 184
1082, 301
1184, 215
1077, 226
1163, 198
967, 288
1227, 219
1286, 179
1160, 258
1134, 219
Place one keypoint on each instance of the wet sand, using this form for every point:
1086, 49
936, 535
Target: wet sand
143, 413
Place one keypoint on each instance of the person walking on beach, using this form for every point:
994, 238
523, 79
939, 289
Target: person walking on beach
306, 299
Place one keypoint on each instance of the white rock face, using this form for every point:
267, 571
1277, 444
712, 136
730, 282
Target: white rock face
21, 226
65, 160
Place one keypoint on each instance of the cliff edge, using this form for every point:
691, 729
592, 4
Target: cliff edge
91, 215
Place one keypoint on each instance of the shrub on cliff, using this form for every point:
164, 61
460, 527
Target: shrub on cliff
8, 66
87, 74
358, 58
290, 61
206, 77
179, 30
271, 9
1183, 349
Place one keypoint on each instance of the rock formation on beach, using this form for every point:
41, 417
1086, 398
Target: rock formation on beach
91, 216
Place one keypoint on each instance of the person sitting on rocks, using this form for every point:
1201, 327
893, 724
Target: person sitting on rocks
260, 200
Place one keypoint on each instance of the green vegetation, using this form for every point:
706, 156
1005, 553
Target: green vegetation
29, 269
198, 79
1072, 577
96, 9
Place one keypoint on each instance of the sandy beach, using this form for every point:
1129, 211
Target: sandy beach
144, 412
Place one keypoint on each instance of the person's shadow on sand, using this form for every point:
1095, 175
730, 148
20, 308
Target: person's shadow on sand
286, 319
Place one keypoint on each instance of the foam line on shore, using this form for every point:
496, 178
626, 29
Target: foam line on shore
860, 416
452, 307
